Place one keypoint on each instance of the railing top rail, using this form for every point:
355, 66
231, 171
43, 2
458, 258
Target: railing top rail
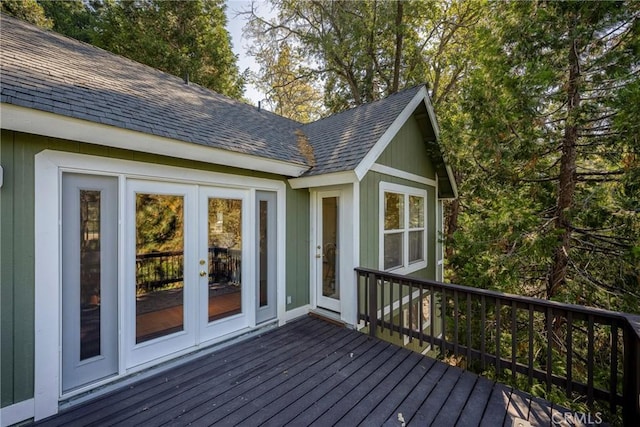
632, 320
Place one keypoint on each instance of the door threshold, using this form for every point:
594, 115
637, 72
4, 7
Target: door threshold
328, 316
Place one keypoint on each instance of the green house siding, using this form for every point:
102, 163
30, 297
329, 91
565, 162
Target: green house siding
407, 152
297, 258
370, 221
17, 247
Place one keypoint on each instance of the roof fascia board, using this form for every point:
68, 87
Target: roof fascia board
38, 122
334, 178
452, 180
382, 143
377, 167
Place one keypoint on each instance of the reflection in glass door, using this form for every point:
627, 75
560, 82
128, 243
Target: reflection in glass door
159, 265
224, 249
328, 251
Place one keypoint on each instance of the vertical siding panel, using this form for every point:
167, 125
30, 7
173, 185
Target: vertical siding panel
297, 253
7, 193
24, 281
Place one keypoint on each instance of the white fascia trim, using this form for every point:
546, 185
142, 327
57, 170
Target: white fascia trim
37, 122
452, 180
387, 137
16, 413
387, 170
334, 178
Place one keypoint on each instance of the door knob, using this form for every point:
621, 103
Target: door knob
203, 273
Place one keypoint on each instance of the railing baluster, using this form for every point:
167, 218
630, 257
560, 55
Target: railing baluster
614, 367
400, 312
514, 343
549, 346
432, 319
468, 328
410, 313
498, 334
390, 307
531, 319
382, 308
420, 322
590, 356
483, 326
456, 315
373, 302
443, 311
569, 345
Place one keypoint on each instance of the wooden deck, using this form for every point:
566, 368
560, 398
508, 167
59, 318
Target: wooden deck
310, 372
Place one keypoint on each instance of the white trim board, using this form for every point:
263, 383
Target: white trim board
16, 413
49, 165
377, 167
420, 97
334, 178
37, 122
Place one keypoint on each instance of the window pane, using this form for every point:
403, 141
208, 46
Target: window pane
159, 265
416, 246
393, 250
89, 274
225, 258
393, 211
416, 212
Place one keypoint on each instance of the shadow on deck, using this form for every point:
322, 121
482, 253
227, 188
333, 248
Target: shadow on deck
310, 372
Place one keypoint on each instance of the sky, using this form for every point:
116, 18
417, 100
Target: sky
234, 26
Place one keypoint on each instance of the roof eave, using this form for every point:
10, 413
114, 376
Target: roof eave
48, 124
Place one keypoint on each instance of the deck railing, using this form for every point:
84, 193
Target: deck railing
592, 355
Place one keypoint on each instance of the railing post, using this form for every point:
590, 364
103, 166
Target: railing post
373, 305
631, 381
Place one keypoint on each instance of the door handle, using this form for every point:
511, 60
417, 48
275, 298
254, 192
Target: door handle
203, 273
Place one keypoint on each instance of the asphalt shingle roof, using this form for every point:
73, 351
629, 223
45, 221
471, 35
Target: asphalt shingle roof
46, 71
341, 141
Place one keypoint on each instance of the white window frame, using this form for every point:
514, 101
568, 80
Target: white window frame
406, 191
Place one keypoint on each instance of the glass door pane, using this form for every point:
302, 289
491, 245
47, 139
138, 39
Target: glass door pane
225, 257
159, 265
330, 273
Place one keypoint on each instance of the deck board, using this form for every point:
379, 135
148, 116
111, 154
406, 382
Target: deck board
309, 372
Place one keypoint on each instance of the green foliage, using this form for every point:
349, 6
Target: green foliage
183, 38
516, 115
27, 10
72, 18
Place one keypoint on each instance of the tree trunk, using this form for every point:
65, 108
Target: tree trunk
567, 182
399, 40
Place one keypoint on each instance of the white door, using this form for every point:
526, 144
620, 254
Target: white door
224, 248
89, 279
161, 285
328, 246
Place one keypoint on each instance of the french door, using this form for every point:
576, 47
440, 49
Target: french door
187, 267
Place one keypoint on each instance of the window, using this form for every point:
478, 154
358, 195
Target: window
403, 217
